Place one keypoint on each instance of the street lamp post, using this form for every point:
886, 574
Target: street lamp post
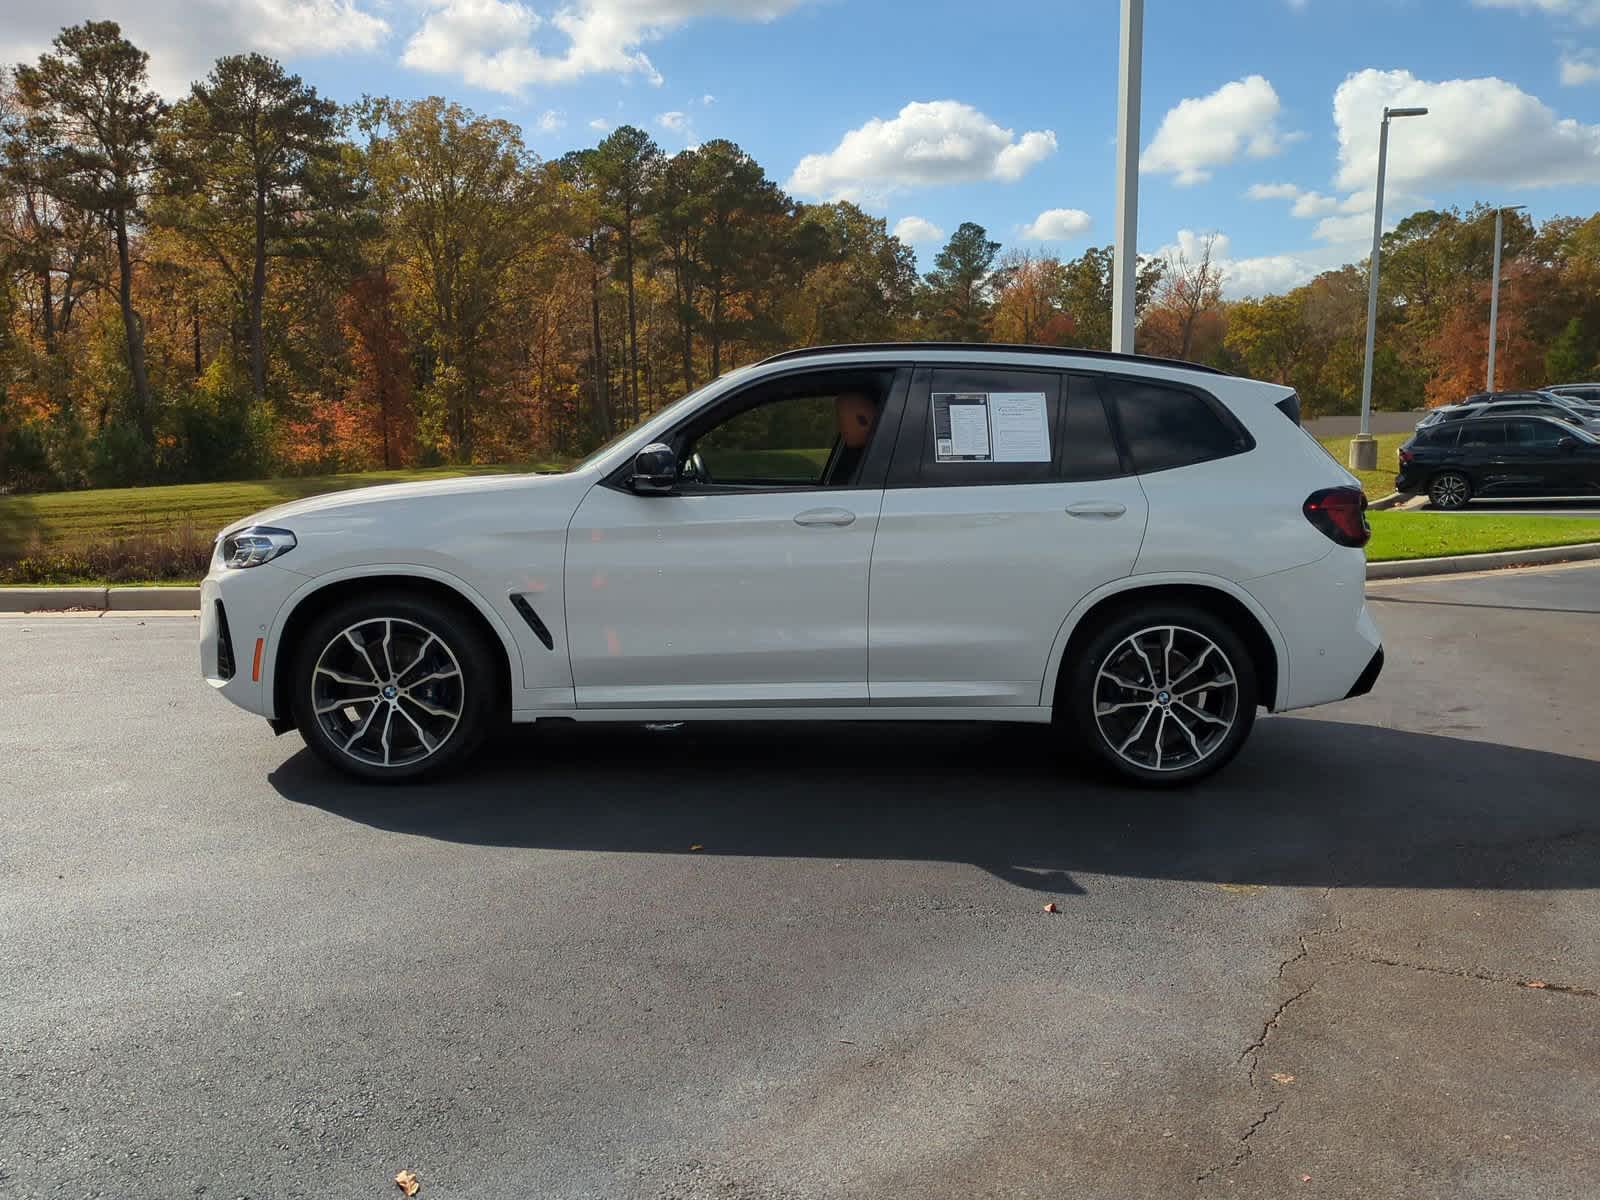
1494, 288
1364, 447
1125, 257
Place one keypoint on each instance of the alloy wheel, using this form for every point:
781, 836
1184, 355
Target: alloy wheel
387, 692
1449, 491
1165, 698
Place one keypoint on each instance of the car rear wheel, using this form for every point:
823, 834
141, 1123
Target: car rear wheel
393, 688
1450, 489
1161, 696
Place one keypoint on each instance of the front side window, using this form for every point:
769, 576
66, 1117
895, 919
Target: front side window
807, 438
1166, 427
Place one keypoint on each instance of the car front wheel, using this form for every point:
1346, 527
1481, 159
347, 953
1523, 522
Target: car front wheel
1450, 490
1161, 696
393, 688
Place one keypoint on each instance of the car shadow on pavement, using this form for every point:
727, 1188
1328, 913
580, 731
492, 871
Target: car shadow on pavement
1308, 803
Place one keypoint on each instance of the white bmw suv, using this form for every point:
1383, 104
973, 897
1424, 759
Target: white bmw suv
1142, 552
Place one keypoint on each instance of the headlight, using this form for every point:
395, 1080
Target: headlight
253, 546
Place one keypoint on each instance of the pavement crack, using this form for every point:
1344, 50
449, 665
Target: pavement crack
1243, 1152
1522, 981
1252, 1052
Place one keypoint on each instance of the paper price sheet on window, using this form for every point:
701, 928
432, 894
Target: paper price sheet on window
1005, 427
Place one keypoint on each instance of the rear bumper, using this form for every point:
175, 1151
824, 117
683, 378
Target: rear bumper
1330, 639
1368, 677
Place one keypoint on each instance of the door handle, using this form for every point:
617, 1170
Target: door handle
825, 516
1107, 509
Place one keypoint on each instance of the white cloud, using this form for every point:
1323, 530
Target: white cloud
1580, 68
1265, 276
677, 122
551, 120
917, 229
1587, 11
1056, 225
1349, 228
708, 100
928, 142
184, 37
1477, 131
1306, 203
600, 124
488, 43
1204, 132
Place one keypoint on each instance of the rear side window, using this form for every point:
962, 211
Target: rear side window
1165, 427
1483, 433
1438, 436
1533, 433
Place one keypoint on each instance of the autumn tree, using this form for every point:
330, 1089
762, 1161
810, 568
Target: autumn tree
252, 171
624, 166
91, 111
861, 280
1187, 300
1086, 294
1029, 300
954, 301
463, 202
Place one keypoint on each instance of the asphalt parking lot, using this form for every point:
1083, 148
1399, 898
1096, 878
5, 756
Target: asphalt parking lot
727, 963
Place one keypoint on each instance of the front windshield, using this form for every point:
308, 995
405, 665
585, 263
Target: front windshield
664, 415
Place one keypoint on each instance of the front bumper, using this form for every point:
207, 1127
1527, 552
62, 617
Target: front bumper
245, 602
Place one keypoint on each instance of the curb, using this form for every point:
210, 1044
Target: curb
1462, 564
1383, 502
99, 599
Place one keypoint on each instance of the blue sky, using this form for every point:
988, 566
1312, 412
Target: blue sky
1011, 104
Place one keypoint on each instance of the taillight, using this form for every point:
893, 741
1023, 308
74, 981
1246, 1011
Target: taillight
1341, 513
1405, 457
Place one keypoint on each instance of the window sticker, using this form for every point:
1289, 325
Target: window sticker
961, 426
1009, 427
1018, 427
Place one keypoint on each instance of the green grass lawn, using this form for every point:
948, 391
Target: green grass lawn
1401, 535
1377, 484
50, 519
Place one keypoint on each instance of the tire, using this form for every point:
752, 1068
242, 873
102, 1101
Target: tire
433, 688
1121, 678
1449, 489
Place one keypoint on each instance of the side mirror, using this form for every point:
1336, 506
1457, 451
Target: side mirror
1567, 444
655, 469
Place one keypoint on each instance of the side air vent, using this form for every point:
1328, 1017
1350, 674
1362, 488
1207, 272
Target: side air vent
225, 665
540, 629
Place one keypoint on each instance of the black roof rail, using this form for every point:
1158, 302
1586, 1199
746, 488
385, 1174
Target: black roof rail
1003, 347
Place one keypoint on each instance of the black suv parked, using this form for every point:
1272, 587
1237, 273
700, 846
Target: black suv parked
1505, 404
1453, 461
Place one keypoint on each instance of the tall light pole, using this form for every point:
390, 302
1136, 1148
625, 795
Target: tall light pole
1125, 257
1494, 287
1364, 447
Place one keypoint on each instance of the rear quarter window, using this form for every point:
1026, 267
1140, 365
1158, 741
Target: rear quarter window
1164, 427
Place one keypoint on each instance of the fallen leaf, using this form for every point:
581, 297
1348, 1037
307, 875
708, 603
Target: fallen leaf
1051, 907
696, 846
1282, 1077
1536, 983
408, 1182
1305, 1179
